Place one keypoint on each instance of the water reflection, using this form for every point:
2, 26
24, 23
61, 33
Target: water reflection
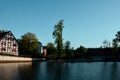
60, 71
15, 71
110, 71
51, 71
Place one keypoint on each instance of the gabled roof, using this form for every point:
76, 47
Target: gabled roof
2, 35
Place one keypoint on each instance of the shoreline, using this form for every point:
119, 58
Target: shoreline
11, 59
78, 60
16, 59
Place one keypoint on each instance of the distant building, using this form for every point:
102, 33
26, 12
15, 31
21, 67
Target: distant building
8, 43
44, 50
39, 50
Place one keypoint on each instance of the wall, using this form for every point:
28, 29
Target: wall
14, 59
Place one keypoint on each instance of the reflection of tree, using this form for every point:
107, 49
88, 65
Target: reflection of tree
36, 70
110, 71
58, 71
16, 71
114, 71
104, 71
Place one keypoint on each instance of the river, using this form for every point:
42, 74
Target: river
60, 71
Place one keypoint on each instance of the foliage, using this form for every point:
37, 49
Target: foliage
1, 31
81, 50
67, 45
115, 43
116, 40
67, 48
51, 48
106, 44
57, 35
118, 36
28, 44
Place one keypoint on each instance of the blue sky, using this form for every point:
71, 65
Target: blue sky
87, 22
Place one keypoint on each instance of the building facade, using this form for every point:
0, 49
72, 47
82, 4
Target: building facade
8, 43
44, 50
39, 50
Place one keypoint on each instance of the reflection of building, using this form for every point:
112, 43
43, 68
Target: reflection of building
44, 50
8, 43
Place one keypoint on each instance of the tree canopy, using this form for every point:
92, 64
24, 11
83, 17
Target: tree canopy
28, 44
116, 40
1, 31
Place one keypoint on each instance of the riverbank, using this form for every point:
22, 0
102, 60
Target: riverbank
82, 60
10, 59
5, 59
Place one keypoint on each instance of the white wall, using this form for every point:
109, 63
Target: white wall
14, 59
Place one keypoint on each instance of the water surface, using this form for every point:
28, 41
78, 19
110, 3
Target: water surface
60, 71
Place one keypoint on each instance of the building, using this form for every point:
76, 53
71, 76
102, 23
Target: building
8, 43
44, 50
39, 50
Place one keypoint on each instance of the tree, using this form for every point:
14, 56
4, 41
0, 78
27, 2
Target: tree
106, 44
67, 47
51, 48
57, 35
28, 44
118, 36
115, 43
116, 40
82, 50
1, 31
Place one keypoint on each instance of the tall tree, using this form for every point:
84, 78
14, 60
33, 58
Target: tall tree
28, 43
57, 35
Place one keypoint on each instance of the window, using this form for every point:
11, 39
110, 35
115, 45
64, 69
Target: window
13, 50
14, 44
3, 43
3, 49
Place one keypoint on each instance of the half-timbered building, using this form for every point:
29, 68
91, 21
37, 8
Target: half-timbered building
8, 43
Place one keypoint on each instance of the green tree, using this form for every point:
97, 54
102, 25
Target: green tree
67, 48
116, 40
28, 44
57, 35
118, 36
82, 50
115, 43
50, 48
1, 31
67, 45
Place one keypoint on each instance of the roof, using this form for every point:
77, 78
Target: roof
3, 34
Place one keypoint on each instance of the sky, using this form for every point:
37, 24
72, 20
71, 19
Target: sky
86, 22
